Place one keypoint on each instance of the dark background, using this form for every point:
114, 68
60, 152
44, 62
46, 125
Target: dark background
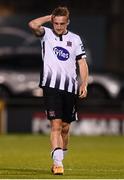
104, 18
100, 23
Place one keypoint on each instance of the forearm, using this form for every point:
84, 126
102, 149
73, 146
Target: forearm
84, 72
36, 24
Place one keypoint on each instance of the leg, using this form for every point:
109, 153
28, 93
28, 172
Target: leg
59, 141
55, 136
53, 104
69, 112
56, 144
65, 134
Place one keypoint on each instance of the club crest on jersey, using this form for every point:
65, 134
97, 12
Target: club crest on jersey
69, 43
61, 53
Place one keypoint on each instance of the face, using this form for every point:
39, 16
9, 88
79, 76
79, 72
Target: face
60, 24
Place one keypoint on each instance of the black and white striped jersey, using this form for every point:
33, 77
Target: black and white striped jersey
59, 54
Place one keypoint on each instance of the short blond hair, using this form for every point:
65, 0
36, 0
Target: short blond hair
61, 11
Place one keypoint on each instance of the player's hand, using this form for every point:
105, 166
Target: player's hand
50, 18
82, 91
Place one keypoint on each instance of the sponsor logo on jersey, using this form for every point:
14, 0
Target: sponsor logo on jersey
61, 53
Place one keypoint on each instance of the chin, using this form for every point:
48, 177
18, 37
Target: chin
59, 33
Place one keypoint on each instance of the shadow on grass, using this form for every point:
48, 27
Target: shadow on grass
23, 171
35, 173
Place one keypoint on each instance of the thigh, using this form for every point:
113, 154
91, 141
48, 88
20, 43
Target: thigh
53, 103
69, 107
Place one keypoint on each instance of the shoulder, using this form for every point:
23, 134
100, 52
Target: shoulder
47, 31
74, 36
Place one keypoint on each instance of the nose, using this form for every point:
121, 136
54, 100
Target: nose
59, 26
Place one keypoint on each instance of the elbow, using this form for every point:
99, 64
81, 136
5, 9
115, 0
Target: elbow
31, 24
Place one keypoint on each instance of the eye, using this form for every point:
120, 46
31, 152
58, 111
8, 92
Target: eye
62, 23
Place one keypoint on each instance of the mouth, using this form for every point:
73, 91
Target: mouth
60, 31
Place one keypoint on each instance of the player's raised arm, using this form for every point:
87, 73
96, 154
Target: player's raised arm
36, 24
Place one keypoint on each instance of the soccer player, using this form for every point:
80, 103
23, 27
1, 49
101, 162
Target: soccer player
61, 51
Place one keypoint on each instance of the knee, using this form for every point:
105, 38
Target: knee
65, 129
56, 126
56, 129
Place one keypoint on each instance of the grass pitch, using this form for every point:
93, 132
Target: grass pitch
28, 157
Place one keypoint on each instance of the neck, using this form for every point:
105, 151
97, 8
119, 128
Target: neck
65, 32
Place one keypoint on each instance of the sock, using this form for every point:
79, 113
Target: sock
57, 156
65, 151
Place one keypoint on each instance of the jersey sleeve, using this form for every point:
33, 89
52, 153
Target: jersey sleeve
80, 51
45, 34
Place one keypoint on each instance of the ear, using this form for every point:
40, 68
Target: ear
68, 21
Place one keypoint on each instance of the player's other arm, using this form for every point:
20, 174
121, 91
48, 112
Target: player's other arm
84, 74
36, 24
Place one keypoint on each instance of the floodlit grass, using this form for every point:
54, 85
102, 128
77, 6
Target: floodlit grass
28, 157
